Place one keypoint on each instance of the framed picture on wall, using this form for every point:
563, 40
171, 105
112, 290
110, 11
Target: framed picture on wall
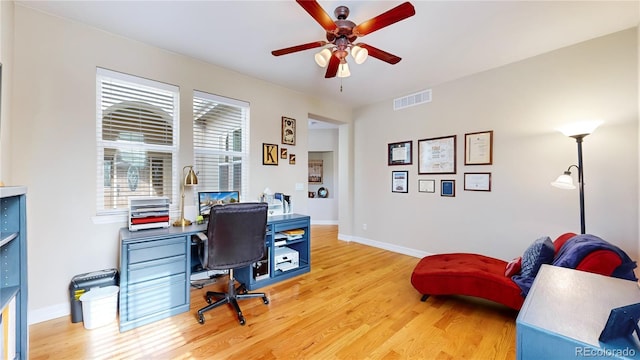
477, 181
400, 181
315, 172
399, 153
437, 155
288, 131
269, 154
478, 148
448, 188
427, 185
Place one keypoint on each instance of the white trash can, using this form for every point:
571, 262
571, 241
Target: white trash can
99, 306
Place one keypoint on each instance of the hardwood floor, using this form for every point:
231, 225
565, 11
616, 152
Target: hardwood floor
356, 303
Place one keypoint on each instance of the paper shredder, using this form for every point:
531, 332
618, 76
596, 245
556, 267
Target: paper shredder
84, 282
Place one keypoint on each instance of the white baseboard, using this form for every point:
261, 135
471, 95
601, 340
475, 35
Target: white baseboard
48, 313
385, 246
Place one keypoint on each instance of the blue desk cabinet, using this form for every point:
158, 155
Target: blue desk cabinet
155, 268
13, 266
276, 225
565, 312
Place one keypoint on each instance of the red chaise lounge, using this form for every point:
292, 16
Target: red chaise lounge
486, 277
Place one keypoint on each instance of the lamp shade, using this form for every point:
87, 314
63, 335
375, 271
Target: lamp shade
564, 181
580, 128
191, 178
322, 58
343, 70
359, 54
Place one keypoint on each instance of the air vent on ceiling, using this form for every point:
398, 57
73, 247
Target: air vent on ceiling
411, 100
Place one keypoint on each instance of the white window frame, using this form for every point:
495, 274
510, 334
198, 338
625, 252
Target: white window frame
105, 215
243, 154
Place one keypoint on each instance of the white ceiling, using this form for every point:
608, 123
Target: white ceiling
444, 41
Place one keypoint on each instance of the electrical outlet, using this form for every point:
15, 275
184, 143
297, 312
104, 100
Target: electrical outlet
364, 226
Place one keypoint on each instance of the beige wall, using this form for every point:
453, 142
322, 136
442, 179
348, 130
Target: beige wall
522, 103
6, 58
53, 140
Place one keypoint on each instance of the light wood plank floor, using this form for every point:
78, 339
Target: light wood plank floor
356, 303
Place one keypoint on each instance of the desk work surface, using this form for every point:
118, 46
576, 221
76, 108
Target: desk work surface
126, 234
573, 306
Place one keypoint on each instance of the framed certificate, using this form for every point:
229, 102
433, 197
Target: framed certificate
428, 186
400, 181
400, 153
478, 148
448, 188
437, 155
477, 181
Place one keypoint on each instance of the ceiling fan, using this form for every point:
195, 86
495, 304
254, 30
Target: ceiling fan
341, 35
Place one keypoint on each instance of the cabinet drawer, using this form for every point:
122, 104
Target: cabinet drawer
156, 296
289, 225
157, 249
160, 268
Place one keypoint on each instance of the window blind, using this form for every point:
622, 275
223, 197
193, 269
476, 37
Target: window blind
220, 142
137, 139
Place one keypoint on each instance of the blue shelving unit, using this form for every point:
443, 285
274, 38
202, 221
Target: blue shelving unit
13, 264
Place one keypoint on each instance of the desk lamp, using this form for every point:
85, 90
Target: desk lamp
577, 131
190, 179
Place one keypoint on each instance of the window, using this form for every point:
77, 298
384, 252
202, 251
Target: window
220, 142
137, 139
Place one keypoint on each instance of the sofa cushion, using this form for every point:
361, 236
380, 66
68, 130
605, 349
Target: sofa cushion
513, 267
540, 252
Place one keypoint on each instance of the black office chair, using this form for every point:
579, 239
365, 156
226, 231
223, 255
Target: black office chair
235, 239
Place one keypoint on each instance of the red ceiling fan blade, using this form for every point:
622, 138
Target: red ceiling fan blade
296, 48
392, 16
317, 12
332, 68
380, 54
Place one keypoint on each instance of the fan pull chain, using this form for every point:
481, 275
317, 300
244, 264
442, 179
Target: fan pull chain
340, 84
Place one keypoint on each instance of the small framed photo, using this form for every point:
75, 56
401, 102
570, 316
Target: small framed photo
400, 153
288, 131
400, 181
478, 148
283, 153
448, 188
315, 172
292, 159
428, 186
477, 181
269, 154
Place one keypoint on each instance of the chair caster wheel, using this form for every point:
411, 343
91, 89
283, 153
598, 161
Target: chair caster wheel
265, 300
241, 320
201, 319
208, 300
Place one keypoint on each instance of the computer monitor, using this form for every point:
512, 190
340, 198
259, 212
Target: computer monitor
206, 199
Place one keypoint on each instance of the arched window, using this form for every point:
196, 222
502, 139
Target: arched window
137, 139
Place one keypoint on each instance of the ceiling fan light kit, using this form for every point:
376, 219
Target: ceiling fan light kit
322, 58
341, 34
343, 70
359, 54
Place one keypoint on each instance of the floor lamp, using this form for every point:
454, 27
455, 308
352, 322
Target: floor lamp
565, 181
190, 179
